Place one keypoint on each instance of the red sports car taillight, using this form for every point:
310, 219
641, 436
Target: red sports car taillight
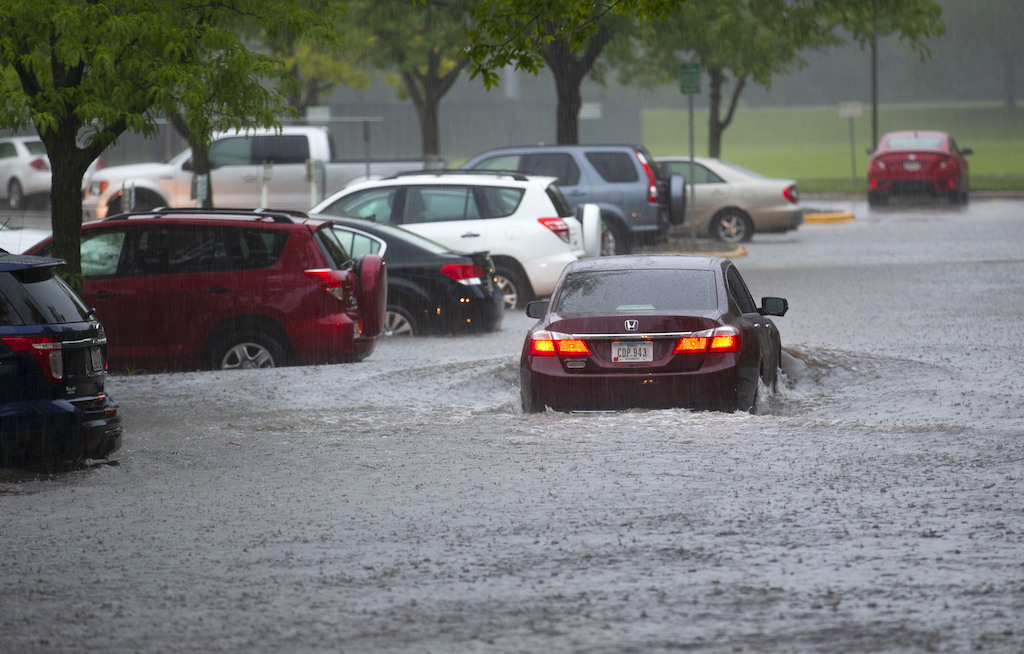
556, 225
721, 339
464, 273
46, 351
548, 344
335, 282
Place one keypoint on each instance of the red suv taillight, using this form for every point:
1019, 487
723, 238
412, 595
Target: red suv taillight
652, 179
46, 351
335, 282
464, 273
558, 226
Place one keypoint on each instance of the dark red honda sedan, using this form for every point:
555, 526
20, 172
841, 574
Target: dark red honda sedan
650, 331
918, 163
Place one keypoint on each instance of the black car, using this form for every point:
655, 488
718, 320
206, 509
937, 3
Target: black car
53, 367
652, 331
431, 288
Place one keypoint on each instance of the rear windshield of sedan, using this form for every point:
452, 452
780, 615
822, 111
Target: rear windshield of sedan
609, 291
914, 142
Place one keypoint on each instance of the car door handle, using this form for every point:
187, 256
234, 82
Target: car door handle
104, 295
218, 289
470, 235
249, 179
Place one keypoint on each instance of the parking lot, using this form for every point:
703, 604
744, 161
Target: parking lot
405, 504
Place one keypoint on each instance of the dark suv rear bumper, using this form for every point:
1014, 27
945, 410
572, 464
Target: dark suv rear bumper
59, 430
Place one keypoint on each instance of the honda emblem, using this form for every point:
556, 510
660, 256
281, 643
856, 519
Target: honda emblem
632, 325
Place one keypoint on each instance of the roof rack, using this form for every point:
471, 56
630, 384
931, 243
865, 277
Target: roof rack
260, 213
514, 174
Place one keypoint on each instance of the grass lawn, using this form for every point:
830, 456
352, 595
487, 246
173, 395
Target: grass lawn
812, 144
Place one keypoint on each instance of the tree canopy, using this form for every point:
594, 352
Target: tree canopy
86, 72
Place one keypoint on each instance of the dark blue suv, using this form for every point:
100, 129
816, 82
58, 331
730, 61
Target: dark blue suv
53, 366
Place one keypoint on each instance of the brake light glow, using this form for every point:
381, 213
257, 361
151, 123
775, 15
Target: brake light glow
652, 180
464, 273
46, 351
548, 344
556, 225
336, 283
721, 339
791, 194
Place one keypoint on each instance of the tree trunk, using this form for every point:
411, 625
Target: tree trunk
1009, 81
716, 123
569, 71
426, 91
200, 160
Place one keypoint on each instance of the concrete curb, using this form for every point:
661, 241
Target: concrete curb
738, 252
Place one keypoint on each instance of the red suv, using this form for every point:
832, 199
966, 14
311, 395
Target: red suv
224, 288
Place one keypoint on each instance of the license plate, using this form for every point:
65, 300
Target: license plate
912, 166
95, 359
632, 351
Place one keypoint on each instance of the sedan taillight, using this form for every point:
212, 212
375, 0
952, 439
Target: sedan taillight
722, 339
792, 194
40, 164
548, 344
464, 273
556, 225
46, 351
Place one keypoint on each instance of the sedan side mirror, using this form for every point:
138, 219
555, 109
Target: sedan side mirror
537, 308
773, 306
966, 151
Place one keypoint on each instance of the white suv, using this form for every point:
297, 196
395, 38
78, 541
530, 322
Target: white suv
524, 222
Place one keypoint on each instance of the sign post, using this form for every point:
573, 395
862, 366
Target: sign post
690, 84
851, 110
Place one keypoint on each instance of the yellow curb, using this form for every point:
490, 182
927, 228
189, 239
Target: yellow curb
738, 252
832, 217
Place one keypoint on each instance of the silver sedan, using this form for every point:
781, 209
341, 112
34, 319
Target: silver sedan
732, 203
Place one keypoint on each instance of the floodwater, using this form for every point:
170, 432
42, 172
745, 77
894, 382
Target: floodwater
404, 504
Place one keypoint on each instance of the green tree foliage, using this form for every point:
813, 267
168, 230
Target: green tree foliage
421, 47
89, 71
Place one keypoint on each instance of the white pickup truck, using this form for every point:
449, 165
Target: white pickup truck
290, 168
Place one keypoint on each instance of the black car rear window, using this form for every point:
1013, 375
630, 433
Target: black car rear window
35, 296
609, 291
615, 167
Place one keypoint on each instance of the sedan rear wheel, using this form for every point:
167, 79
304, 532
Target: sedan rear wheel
398, 322
15, 195
732, 226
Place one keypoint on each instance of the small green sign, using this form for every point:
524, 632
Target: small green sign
690, 74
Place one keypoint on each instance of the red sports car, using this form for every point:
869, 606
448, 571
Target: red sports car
917, 163
650, 331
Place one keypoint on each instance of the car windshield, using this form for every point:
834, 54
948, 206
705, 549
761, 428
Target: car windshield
914, 142
610, 291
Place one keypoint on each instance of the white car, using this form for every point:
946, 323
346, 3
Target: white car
24, 170
732, 203
524, 222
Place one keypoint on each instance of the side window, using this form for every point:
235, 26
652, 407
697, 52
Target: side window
372, 204
614, 166
7, 150
232, 151
357, 244
430, 204
280, 149
738, 291
248, 248
176, 249
101, 252
555, 164
497, 202
501, 162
